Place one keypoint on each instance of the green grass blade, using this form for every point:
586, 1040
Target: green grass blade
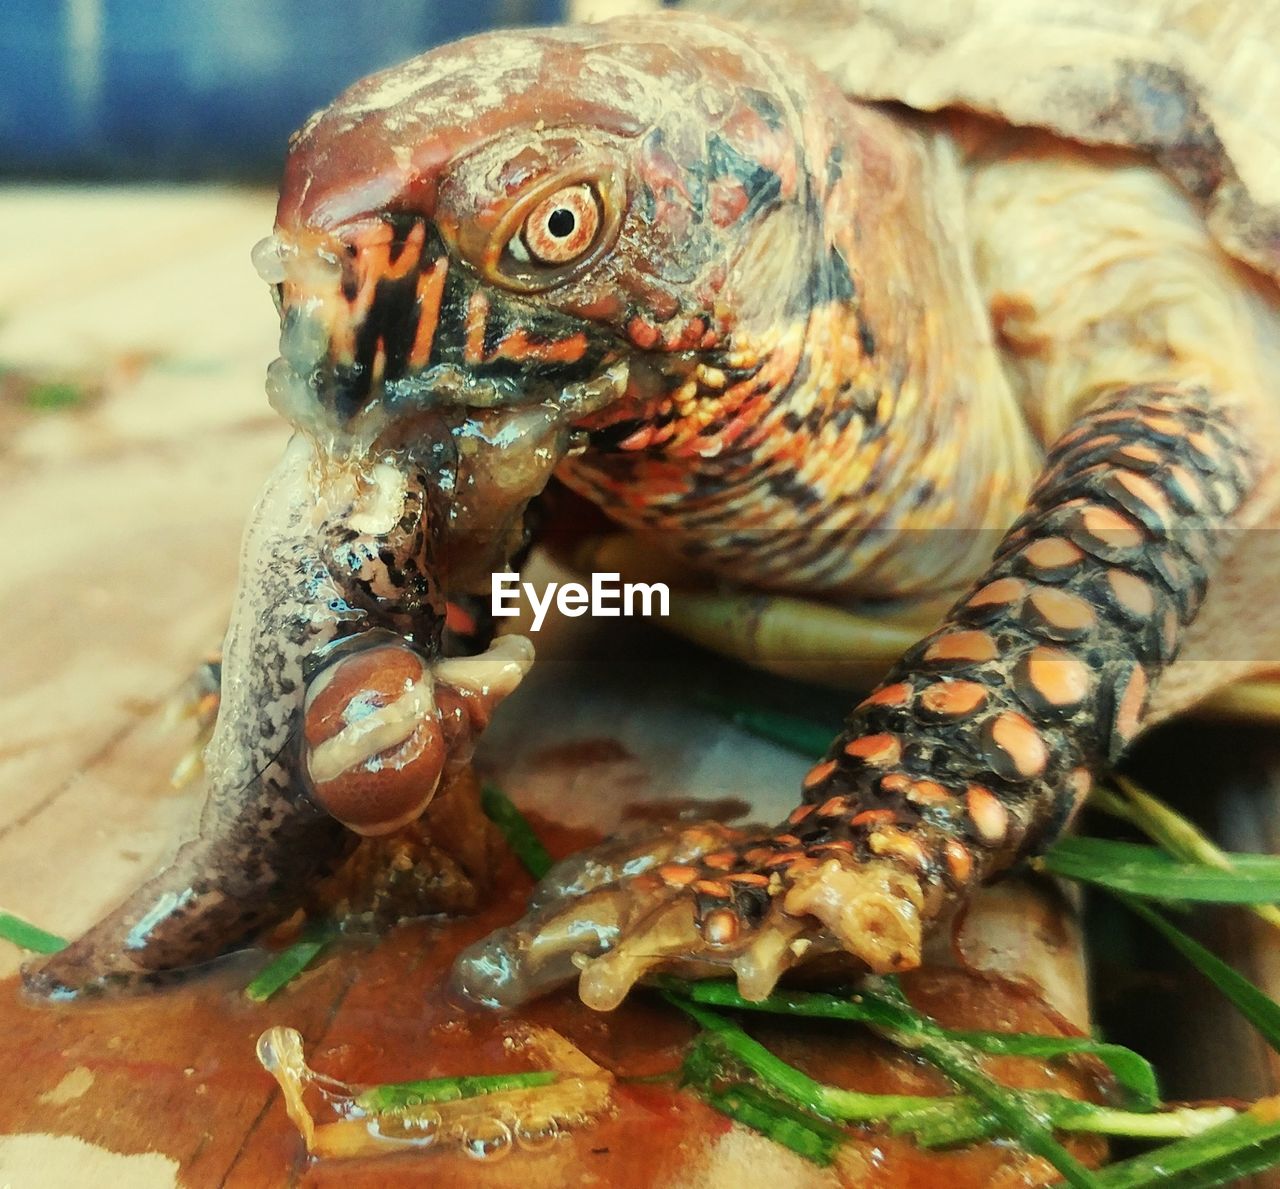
948, 1122
801, 735
400, 1096
1017, 1116
289, 963
1246, 1144
1132, 1072
1169, 829
52, 396
28, 936
1256, 1006
933, 1121
515, 828
815, 1139
1149, 872
848, 1106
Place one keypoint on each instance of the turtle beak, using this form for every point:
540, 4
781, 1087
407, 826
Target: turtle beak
393, 353
358, 311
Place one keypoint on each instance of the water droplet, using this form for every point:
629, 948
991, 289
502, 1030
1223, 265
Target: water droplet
267, 260
488, 1141
419, 1127
535, 1135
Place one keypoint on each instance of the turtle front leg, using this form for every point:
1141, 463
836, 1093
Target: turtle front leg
974, 752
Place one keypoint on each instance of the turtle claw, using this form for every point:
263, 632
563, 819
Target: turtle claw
580, 909
692, 903
669, 933
538, 953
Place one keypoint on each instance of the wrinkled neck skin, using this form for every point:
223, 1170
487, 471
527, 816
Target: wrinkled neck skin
857, 437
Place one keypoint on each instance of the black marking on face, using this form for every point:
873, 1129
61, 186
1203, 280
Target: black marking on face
763, 187
835, 165
867, 336
765, 106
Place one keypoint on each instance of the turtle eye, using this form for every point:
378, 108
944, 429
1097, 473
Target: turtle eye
561, 228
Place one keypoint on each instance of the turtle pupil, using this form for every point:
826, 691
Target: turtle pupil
561, 223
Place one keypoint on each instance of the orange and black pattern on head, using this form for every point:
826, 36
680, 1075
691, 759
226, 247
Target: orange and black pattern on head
408, 311
513, 214
655, 228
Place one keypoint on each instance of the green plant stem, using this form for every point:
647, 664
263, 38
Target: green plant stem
1222, 1155
847, 1106
1256, 1006
1149, 872
801, 735
28, 936
289, 963
1132, 1072
815, 1139
962, 1116
399, 1096
960, 1119
1017, 1116
1170, 830
515, 828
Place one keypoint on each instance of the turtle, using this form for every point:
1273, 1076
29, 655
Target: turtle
859, 302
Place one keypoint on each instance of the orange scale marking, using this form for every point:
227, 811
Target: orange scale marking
959, 861
720, 927
713, 887
988, 815
953, 699
898, 694
897, 844
999, 593
972, 647
819, 773
927, 792
878, 751
1132, 593
1059, 677
677, 875
1061, 609
1025, 747
1143, 489
1110, 527
869, 817
1132, 701
1053, 553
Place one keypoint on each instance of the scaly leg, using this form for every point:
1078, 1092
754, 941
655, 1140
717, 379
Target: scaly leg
975, 751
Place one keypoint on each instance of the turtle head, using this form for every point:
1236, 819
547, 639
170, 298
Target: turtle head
556, 217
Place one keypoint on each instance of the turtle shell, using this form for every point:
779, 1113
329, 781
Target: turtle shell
1194, 83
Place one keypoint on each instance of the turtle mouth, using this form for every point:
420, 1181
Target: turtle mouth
377, 321
393, 355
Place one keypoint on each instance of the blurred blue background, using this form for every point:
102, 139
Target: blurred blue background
199, 88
